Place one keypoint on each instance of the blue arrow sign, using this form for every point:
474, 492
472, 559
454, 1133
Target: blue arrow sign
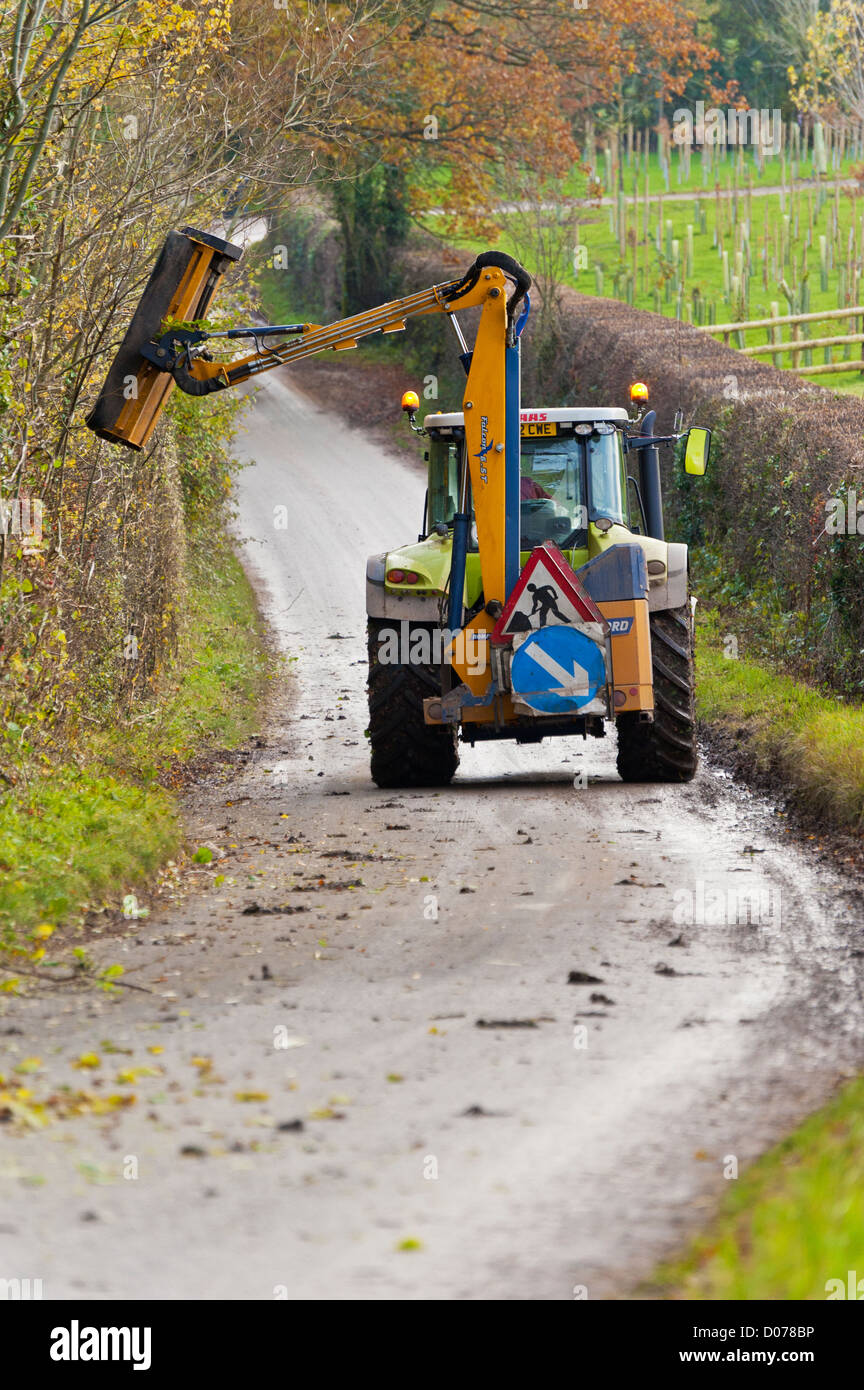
558, 670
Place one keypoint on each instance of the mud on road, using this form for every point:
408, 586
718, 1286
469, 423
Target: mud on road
472, 1043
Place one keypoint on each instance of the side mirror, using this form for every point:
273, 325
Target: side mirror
697, 449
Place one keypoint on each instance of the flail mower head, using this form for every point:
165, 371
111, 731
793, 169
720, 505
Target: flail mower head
180, 288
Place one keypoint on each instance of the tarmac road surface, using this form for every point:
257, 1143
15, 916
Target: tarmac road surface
392, 1091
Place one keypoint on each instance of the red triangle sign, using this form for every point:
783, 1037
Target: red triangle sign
548, 593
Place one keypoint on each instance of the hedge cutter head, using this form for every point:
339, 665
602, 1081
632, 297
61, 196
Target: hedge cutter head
181, 287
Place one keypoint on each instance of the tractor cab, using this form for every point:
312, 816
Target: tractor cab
572, 474
597, 586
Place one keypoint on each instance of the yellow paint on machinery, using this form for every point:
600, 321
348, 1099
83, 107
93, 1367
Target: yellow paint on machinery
485, 434
180, 289
469, 653
632, 675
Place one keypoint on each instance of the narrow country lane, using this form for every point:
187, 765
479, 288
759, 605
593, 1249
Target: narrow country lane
391, 1090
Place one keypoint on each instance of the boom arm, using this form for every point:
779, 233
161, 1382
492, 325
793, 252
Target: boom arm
174, 351
151, 360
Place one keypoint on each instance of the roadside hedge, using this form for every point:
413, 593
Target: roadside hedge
782, 448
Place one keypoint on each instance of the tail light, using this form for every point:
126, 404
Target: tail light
402, 577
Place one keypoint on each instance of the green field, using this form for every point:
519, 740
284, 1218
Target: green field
725, 255
678, 174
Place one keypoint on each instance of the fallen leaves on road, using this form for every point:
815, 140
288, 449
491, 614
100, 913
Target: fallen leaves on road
254, 910
22, 1105
129, 1075
354, 854
506, 1023
88, 1061
322, 886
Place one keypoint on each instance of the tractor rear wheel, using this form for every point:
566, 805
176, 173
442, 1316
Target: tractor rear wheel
406, 751
665, 750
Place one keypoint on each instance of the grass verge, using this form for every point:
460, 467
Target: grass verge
794, 1221
783, 730
791, 1224
92, 830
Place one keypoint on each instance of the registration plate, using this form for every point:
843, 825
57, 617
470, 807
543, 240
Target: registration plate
539, 429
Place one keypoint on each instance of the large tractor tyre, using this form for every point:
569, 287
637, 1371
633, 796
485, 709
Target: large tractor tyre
665, 750
406, 752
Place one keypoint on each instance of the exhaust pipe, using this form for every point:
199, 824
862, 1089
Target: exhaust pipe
649, 480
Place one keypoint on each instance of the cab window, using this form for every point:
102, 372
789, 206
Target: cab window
606, 476
443, 480
552, 495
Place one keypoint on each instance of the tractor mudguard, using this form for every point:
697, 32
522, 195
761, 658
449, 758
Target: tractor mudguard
672, 590
383, 603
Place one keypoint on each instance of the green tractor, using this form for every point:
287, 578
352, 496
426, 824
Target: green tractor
590, 490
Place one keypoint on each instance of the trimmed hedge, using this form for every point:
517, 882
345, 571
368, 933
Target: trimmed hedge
782, 448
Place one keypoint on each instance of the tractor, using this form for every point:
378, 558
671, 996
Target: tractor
585, 515
540, 598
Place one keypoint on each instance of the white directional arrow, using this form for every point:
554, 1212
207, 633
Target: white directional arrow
575, 684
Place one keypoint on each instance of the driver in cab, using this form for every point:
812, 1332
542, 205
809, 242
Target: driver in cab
529, 491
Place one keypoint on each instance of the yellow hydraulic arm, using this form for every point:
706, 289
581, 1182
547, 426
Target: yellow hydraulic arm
197, 376
154, 356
